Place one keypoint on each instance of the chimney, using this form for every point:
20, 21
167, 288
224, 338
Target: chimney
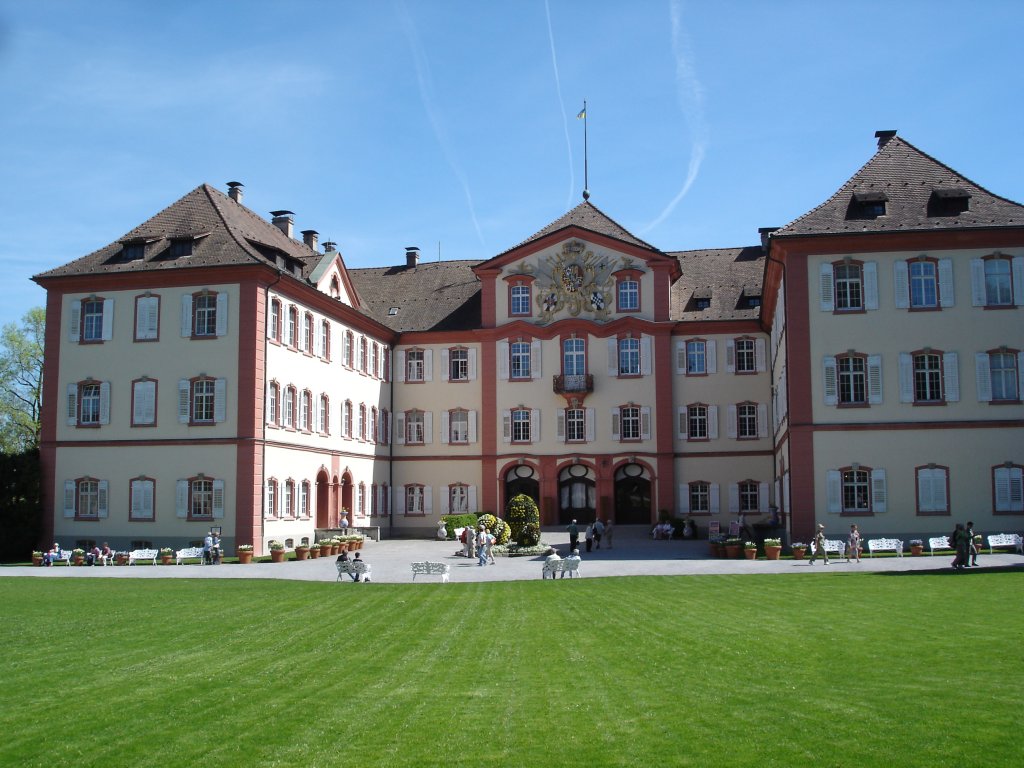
883, 137
330, 246
765, 233
412, 256
310, 237
283, 220
235, 191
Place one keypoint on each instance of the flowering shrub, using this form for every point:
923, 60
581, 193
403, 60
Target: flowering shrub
497, 526
276, 545
773, 542
524, 520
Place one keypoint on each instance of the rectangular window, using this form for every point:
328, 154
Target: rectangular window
746, 421
361, 423
856, 491
346, 418
574, 357
519, 300
746, 360
629, 357
521, 425
363, 356
696, 361
346, 352
519, 359
700, 498
89, 405
272, 498
88, 499
998, 283
414, 365
292, 331
852, 380
203, 398
458, 426
932, 490
147, 318
414, 427
274, 325
458, 499
1003, 373
305, 417
458, 365
204, 308
923, 285
749, 499
414, 500
92, 320
849, 287
697, 422
304, 499
201, 504
288, 500
141, 502
629, 296
1009, 488
324, 425
144, 403
575, 425
629, 423
927, 378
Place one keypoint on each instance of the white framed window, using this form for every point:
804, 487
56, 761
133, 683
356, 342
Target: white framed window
1008, 482
697, 421
745, 355
88, 403
304, 498
147, 318
628, 295
324, 416
999, 374
86, 498
414, 365
91, 320
141, 499
932, 490
519, 299
856, 490
202, 400
288, 408
929, 377
144, 402
848, 286
204, 315
418, 500
414, 428
200, 498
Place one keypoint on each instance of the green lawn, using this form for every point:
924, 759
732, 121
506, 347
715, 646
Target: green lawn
830, 670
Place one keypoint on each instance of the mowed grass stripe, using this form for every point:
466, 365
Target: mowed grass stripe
751, 670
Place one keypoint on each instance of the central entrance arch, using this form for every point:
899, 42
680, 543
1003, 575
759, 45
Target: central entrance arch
577, 494
522, 478
632, 495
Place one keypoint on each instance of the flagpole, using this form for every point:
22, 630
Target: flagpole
586, 182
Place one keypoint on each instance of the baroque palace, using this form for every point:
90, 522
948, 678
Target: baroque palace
861, 364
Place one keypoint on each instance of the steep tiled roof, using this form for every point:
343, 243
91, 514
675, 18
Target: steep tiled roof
438, 296
228, 234
588, 216
726, 276
905, 178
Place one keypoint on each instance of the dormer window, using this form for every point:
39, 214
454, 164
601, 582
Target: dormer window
703, 303
181, 247
867, 205
950, 201
133, 251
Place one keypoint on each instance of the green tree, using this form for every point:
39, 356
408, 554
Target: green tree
21, 382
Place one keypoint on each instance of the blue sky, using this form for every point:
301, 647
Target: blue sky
451, 125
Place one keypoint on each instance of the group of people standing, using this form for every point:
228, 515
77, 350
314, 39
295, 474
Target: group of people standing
479, 544
962, 540
594, 533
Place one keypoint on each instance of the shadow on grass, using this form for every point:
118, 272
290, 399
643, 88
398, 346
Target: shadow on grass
950, 572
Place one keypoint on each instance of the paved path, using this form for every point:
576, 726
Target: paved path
634, 554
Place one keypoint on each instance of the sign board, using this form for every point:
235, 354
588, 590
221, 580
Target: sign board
734, 528
714, 528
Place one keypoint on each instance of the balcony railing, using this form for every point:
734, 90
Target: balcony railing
568, 385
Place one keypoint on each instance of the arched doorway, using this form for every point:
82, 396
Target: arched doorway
323, 500
632, 495
522, 479
577, 494
345, 513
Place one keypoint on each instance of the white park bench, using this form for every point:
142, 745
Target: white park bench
885, 545
431, 569
63, 557
938, 542
832, 547
1006, 540
190, 553
570, 565
143, 554
358, 567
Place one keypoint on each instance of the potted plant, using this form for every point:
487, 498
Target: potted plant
314, 551
799, 550
302, 552
245, 553
358, 540
78, 555
276, 552
978, 540
166, 555
733, 548
325, 547
37, 557
772, 548
916, 547
121, 558
750, 550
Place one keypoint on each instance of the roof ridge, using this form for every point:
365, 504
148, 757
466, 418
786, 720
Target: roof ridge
242, 242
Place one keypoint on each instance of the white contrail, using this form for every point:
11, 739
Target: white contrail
561, 104
691, 101
426, 88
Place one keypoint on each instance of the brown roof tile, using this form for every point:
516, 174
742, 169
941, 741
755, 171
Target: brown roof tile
725, 276
436, 296
587, 216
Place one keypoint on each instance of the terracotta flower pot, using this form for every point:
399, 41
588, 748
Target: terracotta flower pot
37, 560
314, 553
917, 549
301, 553
799, 552
78, 559
167, 559
325, 550
750, 554
277, 555
772, 553
244, 556
733, 551
121, 560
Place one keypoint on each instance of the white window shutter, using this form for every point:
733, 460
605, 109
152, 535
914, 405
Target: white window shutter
104, 402
445, 426
70, 492
107, 332
826, 291
472, 500
830, 374
472, 426
186, 315
75, 324
220, 394
730, 427
925, 491
147, 320
1017, 267
102, 499
428, 427
946, 288
978, 298
871, 285
714, 498
615, 424
181, 498
879, 492
503, 360
680, 357
684, 498
444, 364
218, 498
561, 426
730, 356
222, 314
400, 366
983, 377
72, 413
144, 402
875, 379
760, 356
762, 497
645, 355
613, 356
590, 425
428, 500
535, 425
901, 284
535, 356
712, 422
906, 377
762, 420
1020, 375
184, 400
939, 485
399, 428
645, 423
951, 376
428, 365
267, 511
471, 364
682, 424
711, 356
734, 498
506, 426
446, 501
834, 491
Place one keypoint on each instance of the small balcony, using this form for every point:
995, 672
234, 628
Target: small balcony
582, 384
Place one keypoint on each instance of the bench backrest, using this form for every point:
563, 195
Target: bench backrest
835, 545
880, 544
352, 566
430, 568
144, 554
1003, 539
189, 552
554, 566
938, 542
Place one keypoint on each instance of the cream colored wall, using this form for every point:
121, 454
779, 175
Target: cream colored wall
165, 465
723, 470
122, 360
969, 454
438, 475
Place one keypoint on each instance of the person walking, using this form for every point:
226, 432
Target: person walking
574, 535
481, 546
819, 545
598, 532
960, 544
608, 532
491, 539
853, 544
589, 536
972, 548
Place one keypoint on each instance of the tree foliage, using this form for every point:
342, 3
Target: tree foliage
21, 382
20, 506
